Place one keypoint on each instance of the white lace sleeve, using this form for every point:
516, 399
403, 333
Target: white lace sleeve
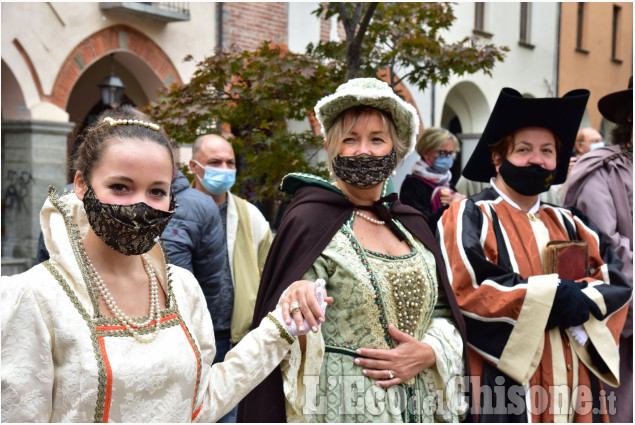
446, 341
224, 384
245, 366
27, 359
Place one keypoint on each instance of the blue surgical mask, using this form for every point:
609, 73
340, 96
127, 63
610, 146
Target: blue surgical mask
596, 145
217, 180
442, 163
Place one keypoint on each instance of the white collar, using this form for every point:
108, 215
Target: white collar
532, 210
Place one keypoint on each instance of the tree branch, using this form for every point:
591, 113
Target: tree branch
354, 46
358, 11
348, 28
402, 78
391, 68
363, 26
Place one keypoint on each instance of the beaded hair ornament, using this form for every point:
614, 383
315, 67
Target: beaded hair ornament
114, 123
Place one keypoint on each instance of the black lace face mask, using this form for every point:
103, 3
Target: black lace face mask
364, 170
128, 229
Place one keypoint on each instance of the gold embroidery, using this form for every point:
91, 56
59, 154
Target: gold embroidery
283, 332
101, 366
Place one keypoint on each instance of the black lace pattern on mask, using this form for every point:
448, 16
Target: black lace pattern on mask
364, 170
129, 229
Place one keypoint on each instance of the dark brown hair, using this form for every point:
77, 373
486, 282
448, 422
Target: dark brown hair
621, 135
504, 146
94, 139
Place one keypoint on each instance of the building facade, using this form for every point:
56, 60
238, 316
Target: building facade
596, 52
54, 57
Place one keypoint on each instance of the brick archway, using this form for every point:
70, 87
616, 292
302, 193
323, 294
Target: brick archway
101, 43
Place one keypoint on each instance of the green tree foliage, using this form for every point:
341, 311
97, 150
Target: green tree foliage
404, 39
254, 94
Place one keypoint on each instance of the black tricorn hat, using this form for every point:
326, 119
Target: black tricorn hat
618, 107
513, 111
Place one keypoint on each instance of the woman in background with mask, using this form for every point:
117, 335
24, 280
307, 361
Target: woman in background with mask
106, 330
394, 331
428, 188
540, 340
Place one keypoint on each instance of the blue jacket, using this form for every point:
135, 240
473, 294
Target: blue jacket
194, 237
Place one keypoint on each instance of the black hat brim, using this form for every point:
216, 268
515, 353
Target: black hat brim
617, 107
513, 111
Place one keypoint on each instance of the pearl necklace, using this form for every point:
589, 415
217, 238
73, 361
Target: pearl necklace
369, 218
131, 325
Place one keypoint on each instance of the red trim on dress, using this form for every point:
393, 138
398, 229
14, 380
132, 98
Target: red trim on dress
109, 378
107, 401
198, 368
123, 328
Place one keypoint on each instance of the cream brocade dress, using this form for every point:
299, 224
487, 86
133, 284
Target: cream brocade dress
372, 290
63, 362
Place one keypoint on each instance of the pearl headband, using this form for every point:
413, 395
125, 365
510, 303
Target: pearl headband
114, 123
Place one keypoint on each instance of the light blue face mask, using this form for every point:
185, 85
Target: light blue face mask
217, 180
443, 163
596, 145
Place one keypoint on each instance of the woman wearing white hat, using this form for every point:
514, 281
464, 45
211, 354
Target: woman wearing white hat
394, 335
539, 341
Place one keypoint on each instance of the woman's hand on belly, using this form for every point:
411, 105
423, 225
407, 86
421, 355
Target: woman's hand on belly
397, 365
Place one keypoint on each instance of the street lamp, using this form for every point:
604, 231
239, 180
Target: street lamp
112, 87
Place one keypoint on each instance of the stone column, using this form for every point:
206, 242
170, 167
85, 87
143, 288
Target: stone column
33, 157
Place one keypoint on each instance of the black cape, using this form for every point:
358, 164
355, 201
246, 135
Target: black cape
318, 210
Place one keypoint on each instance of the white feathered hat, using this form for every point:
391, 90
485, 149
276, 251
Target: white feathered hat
370, 92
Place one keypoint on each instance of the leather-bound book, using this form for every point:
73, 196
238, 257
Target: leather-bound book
569, 259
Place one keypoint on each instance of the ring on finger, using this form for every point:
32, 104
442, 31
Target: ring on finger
390, 374
294, 306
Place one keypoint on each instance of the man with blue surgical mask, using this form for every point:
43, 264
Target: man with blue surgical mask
588, 139
247, 238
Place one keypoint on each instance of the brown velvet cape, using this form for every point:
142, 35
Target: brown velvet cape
318, 210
